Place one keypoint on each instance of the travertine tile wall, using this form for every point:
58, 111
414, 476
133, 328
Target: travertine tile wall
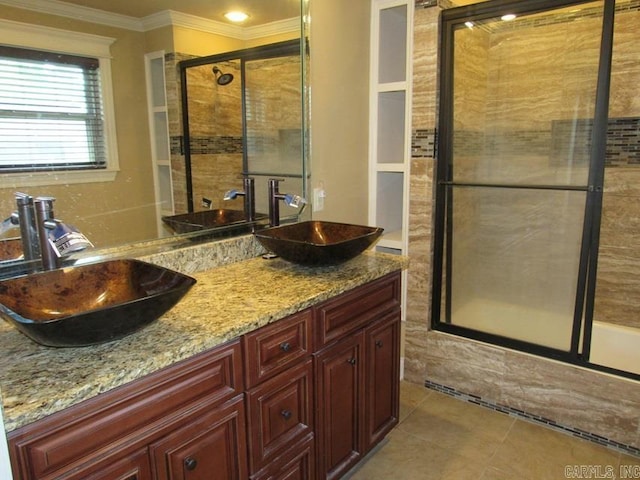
584, 399
215, 121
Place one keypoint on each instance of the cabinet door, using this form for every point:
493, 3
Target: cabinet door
382, 346
212, 447
132, 467
280, 415
298, 466
340, 394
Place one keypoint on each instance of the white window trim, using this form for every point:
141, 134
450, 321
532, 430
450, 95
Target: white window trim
37, 37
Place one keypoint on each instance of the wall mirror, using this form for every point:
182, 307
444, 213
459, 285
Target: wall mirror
150, 39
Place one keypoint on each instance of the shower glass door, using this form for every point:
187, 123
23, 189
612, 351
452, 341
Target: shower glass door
513, 171
273, 124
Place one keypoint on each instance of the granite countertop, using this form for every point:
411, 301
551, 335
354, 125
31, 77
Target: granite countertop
226, 302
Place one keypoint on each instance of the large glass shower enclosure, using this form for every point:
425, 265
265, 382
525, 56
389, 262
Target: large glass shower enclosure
526, 145
242, 116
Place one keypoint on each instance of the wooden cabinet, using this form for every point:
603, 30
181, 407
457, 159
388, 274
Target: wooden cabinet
300, 466
210, 447
305, 397
132, 467
357, 377
280, 405
340, 384
112, 427
382, 384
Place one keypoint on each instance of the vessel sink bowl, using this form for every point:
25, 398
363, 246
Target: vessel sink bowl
318, 242
90, 304
196, 221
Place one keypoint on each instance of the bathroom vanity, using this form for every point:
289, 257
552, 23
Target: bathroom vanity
265, 370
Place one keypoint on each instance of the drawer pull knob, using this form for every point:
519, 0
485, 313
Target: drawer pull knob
379, 343
285, 346
190, 463
352, 361
286, 414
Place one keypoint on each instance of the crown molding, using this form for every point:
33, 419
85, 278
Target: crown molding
288, 25
164, 18
77, 12
167, 18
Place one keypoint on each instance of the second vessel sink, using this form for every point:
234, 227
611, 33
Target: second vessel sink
318, 242
205, 219
90, 304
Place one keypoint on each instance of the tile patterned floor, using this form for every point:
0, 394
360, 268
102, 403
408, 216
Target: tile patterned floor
443, 438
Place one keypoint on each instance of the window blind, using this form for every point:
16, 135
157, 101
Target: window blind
51, 115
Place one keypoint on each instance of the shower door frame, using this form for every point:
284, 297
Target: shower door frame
273, 50
444, 185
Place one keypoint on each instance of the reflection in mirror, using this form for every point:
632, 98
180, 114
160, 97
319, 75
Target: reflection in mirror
241, 115
128, 209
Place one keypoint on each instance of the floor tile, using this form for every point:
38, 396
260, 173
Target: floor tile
411, 395
407, 457
443, 438
466, 429
535, 452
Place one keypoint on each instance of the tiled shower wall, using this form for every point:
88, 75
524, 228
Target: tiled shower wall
584, 399
215, 116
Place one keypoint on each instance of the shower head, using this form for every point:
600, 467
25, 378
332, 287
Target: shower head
222, 78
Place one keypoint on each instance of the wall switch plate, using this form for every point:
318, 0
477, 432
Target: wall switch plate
318, 199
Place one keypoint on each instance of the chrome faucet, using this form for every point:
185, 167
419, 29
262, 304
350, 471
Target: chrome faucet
35, 218
45, 220
249, 198
295, 201
25, 218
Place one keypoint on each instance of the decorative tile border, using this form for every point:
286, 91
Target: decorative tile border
623, 142
514, 412
423, 143
207, 145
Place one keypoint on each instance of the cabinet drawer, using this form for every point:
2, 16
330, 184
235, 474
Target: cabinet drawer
274, 348
280, 414
299, 463
126, 416
356, 308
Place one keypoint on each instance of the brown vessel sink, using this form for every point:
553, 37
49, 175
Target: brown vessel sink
90, 304
318, 242
205, 219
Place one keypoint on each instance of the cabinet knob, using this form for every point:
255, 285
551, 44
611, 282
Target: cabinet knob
190, 463
352, 361
286, 414
379, 343
285, 346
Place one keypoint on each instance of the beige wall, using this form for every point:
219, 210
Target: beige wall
123, 210
340, 107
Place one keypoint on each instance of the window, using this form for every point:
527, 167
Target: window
57, 121
50, 111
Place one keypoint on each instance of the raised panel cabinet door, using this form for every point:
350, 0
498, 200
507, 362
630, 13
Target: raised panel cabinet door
280, 414
299, 465
135, 466
382, 387
340, 397
211, 447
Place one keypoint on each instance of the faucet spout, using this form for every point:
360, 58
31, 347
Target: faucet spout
295, 201
44, 220
25, 217
249, 198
